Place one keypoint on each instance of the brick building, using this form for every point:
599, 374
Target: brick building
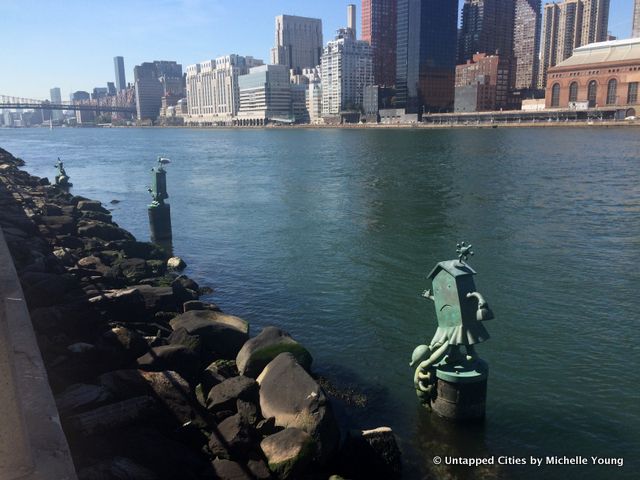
598, 75
482, 84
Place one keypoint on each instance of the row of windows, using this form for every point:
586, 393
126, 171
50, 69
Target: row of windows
592, 93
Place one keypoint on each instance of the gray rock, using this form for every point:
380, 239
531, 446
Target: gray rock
91, 206
289, 452
171, 357
132, 270
176, 263
124, 341
102, 231
232, 438
168, 387
221, 334
81, 395
59, 224
224, 395
248, 411
271, 342
295, 400
229, 470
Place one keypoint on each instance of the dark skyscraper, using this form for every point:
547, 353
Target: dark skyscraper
121, 82
487, 27
426, 54
379, 21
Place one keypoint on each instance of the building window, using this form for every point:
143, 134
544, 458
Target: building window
555, 95
632, 96
592, 93
573, 92
612, 92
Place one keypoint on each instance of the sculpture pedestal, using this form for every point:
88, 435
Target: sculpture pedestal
461, 391
160, 223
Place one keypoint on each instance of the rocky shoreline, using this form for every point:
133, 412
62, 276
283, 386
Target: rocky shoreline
150, 381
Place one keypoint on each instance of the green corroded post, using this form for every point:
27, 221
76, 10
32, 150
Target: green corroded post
451, 382
159, 211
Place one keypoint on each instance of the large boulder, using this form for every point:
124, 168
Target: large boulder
224, 396
221, 334
132, 270
123, 304
259, 351
91, 206
295, 400
168, 387
171, 357
159, 299
288, 452
123, 341
229, 470
102, 231
232, 439
59, 224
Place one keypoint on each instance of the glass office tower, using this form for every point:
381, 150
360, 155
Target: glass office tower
426, 55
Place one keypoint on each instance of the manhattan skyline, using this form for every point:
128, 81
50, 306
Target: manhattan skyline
52, 53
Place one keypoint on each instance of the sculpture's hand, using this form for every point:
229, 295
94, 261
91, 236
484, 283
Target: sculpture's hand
427, 294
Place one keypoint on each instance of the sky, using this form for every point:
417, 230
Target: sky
71, 43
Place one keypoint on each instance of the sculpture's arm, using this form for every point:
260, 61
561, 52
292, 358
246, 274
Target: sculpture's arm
428, 294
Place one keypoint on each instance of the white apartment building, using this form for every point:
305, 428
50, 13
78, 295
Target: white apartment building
213, 95
265, 96
298, 42
346, 68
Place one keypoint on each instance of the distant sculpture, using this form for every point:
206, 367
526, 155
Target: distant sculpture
459, 309
62, 179
159, 211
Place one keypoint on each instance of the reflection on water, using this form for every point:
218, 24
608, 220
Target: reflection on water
330, 234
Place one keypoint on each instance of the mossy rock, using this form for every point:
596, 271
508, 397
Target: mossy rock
259, 351
289, 452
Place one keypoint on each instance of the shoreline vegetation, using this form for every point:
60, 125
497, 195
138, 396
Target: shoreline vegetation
150, 380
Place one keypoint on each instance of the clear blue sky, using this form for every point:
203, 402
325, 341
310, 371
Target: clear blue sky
71, 43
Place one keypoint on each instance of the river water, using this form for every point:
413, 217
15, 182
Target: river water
330, 234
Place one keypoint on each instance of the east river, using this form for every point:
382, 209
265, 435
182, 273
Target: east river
330, 234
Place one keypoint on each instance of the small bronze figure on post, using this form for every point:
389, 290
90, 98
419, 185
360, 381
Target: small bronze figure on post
454, 384
62, 179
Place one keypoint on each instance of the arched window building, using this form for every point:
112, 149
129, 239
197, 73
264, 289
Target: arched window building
598, 75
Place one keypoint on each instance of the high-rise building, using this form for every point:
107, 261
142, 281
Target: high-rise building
298, 42
526, 43
595, 21
346, 69
636, 19
567, 26
265, 96
152, 82
121, 83
56, 97
426, 54
487, 27
148, 91
379, 29
213, 96
351, 20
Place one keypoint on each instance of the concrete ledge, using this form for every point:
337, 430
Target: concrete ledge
32, 443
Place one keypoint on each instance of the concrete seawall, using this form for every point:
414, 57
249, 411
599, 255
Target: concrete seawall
32, 443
